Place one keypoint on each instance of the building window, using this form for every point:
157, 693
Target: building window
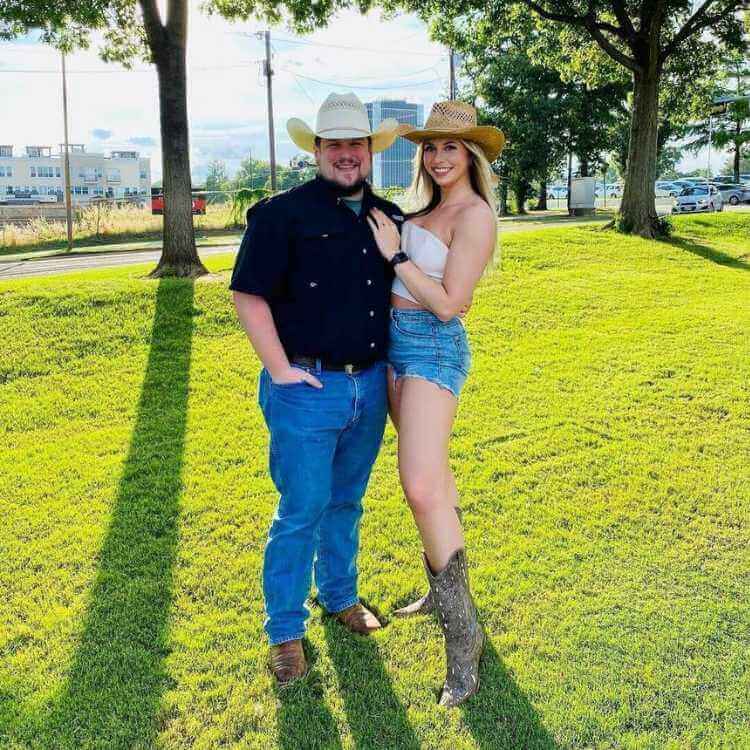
144, 174
2, 171
57, 171
113, 175
32, 171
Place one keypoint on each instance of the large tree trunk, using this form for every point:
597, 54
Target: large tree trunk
521, 193
168, 47
542, 202
638, 207
502, 206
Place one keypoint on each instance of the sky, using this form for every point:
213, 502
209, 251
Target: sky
112, 108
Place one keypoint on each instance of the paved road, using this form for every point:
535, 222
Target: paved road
62, 264
68, 263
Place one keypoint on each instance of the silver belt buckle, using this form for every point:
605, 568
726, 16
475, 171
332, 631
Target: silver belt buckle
348, 369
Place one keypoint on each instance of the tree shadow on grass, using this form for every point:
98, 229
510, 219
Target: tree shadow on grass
376, 717
117, 676
304, 720
499, 716
709, 253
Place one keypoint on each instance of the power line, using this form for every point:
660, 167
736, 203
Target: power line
356, 86
377, 50
199, 69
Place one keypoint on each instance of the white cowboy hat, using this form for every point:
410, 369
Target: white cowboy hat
457, 119
342, 116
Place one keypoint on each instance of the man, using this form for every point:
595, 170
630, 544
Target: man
312, 292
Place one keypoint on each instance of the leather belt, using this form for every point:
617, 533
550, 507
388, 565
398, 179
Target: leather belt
351, 368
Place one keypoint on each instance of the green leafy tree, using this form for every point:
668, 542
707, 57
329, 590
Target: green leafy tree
217, 181
644, 37
726, 116
146, 29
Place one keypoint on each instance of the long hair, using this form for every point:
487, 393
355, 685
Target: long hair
424, 193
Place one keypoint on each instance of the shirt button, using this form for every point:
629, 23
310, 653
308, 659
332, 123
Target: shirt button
372, 313
364, 251
372, 345
369, 281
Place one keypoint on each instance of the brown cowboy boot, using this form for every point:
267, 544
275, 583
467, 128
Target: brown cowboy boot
464, 637
288, 662
358, 619
425, 605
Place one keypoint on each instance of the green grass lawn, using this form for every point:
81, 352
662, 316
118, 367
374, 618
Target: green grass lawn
602, 450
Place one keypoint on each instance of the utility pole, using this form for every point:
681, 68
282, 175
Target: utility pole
268, 73
452, 76
66, 159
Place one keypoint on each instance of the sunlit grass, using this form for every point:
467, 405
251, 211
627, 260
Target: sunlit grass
601, 450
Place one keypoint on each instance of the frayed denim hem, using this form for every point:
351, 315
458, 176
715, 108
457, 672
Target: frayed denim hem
397, 376
286, 639
351, 603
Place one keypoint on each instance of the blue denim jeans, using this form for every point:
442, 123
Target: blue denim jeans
323, 444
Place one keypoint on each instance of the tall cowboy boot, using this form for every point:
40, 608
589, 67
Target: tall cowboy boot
425, 605
464, 636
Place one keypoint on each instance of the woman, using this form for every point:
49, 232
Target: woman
439, 258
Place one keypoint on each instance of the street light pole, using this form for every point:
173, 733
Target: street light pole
66, 160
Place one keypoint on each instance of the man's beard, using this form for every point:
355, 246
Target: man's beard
343, 190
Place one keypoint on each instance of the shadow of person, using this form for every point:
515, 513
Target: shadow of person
499, 716
303, 719
117, 676
376, 717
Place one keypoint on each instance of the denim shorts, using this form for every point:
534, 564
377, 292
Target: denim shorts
423, 346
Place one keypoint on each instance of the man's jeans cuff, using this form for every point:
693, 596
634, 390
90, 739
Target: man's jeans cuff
286, 639
342, 607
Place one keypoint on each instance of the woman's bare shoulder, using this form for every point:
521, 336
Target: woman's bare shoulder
476, 214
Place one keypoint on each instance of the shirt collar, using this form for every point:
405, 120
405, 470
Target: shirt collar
329, 194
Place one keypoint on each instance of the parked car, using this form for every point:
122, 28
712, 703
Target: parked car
698, 198
558, 192
614, 190
733, 193
664, 189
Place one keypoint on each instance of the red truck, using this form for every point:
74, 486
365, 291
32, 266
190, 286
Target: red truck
157, 201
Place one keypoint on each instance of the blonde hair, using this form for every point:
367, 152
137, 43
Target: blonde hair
424, 195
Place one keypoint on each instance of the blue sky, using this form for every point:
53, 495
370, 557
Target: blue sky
111, 108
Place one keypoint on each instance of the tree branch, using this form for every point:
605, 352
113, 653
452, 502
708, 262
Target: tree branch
690, 27
594, 27
610, 48
155, 32
571, 18
623, 18
177, 19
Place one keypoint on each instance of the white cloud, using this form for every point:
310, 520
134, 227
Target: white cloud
226, 89
370, 55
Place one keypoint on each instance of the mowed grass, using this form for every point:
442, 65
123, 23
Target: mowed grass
602, 451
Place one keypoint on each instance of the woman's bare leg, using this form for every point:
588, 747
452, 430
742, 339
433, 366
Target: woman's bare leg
425, 415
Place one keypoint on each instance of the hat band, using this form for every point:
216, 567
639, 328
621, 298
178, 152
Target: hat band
343, 127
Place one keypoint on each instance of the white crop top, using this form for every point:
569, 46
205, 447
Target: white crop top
426, 251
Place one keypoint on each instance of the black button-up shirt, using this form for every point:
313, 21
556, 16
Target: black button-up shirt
317, 265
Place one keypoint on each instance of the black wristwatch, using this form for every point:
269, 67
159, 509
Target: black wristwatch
399, 257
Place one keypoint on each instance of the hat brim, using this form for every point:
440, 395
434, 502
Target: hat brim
380, 139
489, 138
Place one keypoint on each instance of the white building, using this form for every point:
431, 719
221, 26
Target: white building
121, 174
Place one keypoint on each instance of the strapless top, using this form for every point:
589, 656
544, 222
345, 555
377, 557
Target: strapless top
426, 251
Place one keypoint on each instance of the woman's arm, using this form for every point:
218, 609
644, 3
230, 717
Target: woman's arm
471, 248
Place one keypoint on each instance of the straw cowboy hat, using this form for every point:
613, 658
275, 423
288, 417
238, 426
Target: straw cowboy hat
342, 116
457, 119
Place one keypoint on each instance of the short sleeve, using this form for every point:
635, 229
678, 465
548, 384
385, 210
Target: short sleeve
263, 257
